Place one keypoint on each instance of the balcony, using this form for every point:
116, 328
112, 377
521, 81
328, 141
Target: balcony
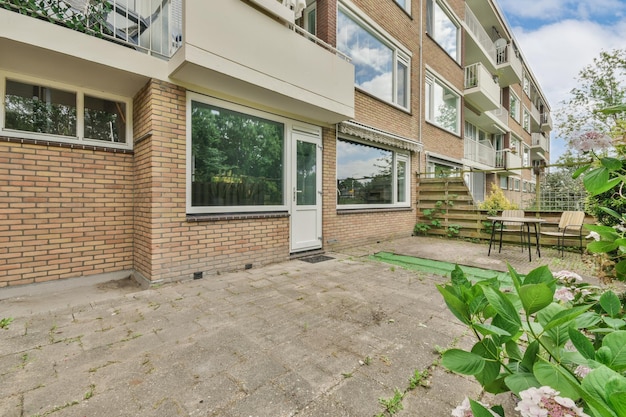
546, 122
480, 88
492, 121
276, 65
540, 147
482, 153
508, 64
535, 118
480, 46
505, 159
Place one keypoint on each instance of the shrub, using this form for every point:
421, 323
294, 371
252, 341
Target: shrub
497, 201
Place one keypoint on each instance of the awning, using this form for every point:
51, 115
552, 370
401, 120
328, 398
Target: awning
372, 134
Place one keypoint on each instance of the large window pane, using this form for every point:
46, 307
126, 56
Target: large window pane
373, 60
446, 105
402, 84
237, 158
34, 108
442, 29
105, 120
364, 174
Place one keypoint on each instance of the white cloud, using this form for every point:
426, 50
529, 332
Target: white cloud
554, 10
557, 52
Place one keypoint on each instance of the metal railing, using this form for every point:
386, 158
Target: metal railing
479, 33
479, 152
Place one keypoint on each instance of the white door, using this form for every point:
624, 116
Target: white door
306, 199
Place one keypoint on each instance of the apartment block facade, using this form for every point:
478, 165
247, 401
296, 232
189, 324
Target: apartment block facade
170, 140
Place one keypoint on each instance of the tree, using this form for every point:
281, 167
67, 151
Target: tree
602, 84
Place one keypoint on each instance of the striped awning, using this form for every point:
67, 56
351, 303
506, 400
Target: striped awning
372, 134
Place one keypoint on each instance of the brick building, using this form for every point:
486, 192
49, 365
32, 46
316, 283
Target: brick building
170, 139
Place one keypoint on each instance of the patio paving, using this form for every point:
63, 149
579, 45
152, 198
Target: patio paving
294, 338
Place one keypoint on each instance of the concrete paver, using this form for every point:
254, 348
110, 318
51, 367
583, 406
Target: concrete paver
324, 339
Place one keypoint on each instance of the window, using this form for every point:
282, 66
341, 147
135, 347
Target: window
405, 4
442, 105
526, 85
526, 120
371, 176
381, 68
310, 19
515, 145
503, 182
514, 107
236, 159
68, 115
526, 156
443, 29
516, 184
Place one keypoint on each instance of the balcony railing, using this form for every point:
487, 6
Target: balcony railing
540, 141
479, 33
481, 88
546, 121
151, 27
479, 152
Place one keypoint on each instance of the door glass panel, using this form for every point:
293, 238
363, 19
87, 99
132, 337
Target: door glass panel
306, 181
401, 176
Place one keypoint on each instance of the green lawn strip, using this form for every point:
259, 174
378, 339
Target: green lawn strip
440, 268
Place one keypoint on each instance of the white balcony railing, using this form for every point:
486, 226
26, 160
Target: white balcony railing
479, 33
501, 158
546, 121
540, 141
479, 152
535, 114
502, 115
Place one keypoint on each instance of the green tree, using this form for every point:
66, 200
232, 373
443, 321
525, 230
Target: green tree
601, 84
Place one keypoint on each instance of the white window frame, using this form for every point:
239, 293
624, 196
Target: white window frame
504, 179
526, 119
305, 21
526, 155
398, 155
432, 79
406, 7
400, 53
454, 20
80, 113
289, 126
515, 113
516, 184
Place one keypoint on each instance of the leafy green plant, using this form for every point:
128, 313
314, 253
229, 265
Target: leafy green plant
91, 21
543, 333
453, 230
392, 405
4, 323
432, 219
608, 174
496, 201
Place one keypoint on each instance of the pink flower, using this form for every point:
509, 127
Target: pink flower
582, 371
546, 402
567, 277
465, 409
593, 235
588, 141
563, 294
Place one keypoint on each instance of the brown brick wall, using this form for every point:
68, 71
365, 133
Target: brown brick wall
63, 212
347, 229
168, 246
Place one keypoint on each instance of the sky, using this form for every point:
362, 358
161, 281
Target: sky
558, 38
